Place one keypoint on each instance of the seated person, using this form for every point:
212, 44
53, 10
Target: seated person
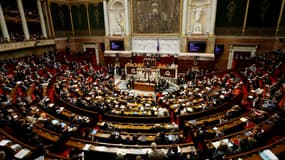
233, 112
174, 153
160, 138
155, 153
222, 150
141, 138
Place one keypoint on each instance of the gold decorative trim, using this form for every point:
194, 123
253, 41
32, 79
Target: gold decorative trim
192, 3
279, 18
245, 17
76, 1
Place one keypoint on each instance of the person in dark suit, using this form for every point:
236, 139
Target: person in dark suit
174, 153
160, 138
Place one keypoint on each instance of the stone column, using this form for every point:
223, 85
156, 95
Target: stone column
23, 20
48, 27
97, 54
230, 58
213, 16
43, 25
106, 19
127, 22
3, 25
184, 16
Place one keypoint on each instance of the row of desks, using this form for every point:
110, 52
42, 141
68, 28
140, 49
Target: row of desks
107, 147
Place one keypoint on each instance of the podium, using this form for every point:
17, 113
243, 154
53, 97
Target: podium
146, 76
138, 71
144, 86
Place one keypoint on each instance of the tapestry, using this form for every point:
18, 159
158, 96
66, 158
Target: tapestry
262, 17
79, 18
96, 16
156, 16
60, 19
230, 16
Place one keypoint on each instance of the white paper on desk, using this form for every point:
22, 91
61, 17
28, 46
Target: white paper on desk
228, 142
15, 147
86, 147
121, 151
248, 133
194, 122
171, 137
243, 119
268, 155
22, 153
188, 149
94, 131
4, 142
146, 150
40, 158
217, 143
54, 121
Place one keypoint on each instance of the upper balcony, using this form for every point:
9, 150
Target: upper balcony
10, 46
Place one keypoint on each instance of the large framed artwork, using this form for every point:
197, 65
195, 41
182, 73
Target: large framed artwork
156, 16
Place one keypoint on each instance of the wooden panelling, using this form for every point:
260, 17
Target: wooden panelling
264, 45
109, 60
184, 65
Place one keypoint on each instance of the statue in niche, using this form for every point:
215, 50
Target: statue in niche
231, 7
119, 22
197, 14
264, 6
197, 17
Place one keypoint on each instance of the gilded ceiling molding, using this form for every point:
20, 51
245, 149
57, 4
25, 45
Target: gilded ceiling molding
199, 3
72, 2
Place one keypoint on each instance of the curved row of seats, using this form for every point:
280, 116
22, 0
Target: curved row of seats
80, 142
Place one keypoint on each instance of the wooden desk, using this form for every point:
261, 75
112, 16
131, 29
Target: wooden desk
85, 145
150, 87
163, 70
136, 119
277, 147
138, 127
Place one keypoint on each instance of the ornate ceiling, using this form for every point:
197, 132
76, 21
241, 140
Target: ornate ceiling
76, 1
